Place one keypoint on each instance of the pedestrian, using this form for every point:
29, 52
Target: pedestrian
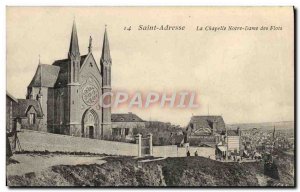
196, 153
188, 154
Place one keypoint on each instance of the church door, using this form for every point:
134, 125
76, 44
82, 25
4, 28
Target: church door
90, 124
91, 132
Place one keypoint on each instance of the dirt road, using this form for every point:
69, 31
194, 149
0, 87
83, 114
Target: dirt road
37, 163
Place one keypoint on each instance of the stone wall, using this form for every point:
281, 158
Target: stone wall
41, 141
165, 151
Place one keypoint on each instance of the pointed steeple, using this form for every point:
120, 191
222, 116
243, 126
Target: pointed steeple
74, 48
105, 57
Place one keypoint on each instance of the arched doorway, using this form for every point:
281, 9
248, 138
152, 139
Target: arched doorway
89, 124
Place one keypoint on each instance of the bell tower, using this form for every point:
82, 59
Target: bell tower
73, 119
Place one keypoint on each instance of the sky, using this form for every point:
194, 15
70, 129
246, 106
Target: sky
245, 76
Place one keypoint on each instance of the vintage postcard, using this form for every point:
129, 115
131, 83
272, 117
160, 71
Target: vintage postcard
150, 96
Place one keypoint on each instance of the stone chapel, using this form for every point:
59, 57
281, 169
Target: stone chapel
67, 93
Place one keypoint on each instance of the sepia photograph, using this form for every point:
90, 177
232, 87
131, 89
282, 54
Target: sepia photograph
150, 96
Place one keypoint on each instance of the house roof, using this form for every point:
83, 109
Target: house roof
45, 76
11, 97
125, 117
207, 122
21, 108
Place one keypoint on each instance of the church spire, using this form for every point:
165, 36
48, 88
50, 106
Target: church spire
105, 57
74, 48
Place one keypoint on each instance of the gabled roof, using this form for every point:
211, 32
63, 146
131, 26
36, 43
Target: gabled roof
125, 117
84, 58
20, 109
207, 122
45, 76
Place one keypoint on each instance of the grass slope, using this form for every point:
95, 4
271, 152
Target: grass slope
127, 171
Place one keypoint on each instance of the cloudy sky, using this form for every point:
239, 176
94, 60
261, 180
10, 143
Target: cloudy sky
245, 76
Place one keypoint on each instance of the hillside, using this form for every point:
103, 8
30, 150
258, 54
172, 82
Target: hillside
128, 171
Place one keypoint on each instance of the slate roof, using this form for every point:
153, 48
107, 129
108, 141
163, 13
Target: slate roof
20, 109
55, 75
45, 76
207, 122
125, 117
62, 79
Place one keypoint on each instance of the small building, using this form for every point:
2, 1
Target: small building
28, 114
234, 141
230, 143
124, 123
204, 130
10, 103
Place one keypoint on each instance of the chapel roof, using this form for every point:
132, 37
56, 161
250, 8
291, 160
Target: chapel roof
62, 79
45, 76
53, 75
